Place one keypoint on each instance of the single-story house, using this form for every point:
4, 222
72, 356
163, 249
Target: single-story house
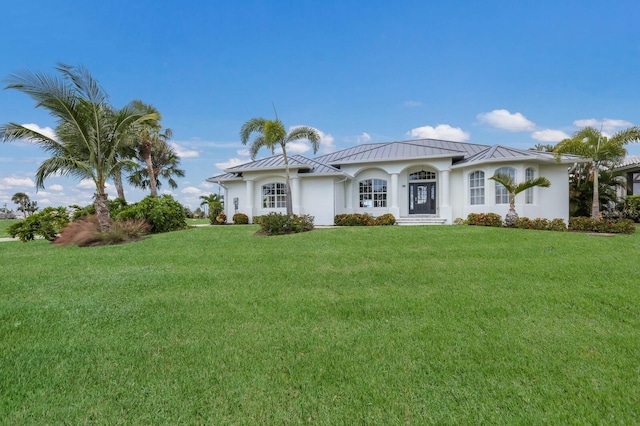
631, 168
418, 181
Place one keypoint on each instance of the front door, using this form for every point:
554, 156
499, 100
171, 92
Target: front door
422, 198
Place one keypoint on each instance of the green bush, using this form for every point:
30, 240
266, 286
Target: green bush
240, 219
540, 224
587, 224
115, 207
163, 213
385, 220
459, 221
278, 224
631, 208
256, 219
86, 232
354, 219
215, 208
220, 219
46, 224
484, 219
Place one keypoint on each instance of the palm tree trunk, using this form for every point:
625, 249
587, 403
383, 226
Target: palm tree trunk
117, 180
147, 161
102, 211
595, 205
289, 202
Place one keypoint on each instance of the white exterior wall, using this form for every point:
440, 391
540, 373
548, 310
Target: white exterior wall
317, 199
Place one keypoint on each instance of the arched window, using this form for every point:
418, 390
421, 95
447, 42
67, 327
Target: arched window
502, 195
528, 194
274, 196
476, 187
422, 175
373, 193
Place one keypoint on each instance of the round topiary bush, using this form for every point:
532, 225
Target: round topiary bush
240, 219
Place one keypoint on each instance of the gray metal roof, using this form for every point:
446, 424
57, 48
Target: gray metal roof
421, 148
497, 153
629, 163
226, 177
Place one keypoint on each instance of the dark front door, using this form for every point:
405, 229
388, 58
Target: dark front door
422, 198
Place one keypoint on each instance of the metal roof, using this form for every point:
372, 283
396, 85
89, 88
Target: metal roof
497, 153
629, 163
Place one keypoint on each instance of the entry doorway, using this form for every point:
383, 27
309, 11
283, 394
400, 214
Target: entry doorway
422, 198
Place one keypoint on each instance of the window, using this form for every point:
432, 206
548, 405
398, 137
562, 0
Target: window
502, 195
476, 188
373, 193
274, 196
422, 175
528, 194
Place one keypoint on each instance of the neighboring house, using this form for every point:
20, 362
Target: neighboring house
631, 169
426, 181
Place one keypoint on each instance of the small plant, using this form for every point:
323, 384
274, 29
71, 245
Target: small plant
46, 224
484, 219
459, 221
278, 224
385, 220
354, 219
240, 219
631, 208
221, 219
557, 224
587, 224
86, 232
257, 219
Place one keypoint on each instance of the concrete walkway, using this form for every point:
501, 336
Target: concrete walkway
2, 240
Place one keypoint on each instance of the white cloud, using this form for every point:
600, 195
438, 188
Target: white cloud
549, 135
183, 152
47, 131
244, 152
609, 125
206, 185
14, 182
56, 187
86, 184
232, 162
412, 104
191, 190
326, 142
441, 131
44, 201
364, 138
503, 119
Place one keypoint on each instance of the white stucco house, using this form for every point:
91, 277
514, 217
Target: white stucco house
418, 181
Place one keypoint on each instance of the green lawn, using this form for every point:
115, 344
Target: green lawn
4, 224
374, 325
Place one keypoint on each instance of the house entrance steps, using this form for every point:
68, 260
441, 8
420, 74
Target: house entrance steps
420, 220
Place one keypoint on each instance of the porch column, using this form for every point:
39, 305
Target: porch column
249, 201
394, 190
295, 194
445, 207
348, 189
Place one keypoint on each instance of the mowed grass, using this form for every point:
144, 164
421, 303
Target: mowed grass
378, 325
4, 224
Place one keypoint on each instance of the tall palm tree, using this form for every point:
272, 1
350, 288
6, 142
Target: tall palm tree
22, 200
271, 134
164, 164
604, 152
89, 131
514, 189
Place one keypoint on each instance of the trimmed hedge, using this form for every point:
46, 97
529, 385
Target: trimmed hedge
279, 224
587, 224
240, 219
540, 224
363, 219
484, 219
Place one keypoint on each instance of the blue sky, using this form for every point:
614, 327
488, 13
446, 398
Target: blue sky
491, 72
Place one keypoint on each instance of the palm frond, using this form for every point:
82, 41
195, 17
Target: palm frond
305, 132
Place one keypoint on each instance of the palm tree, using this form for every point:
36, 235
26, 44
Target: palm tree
603, 151
164, 164
271, 134
514, 189
22, 200
89, 131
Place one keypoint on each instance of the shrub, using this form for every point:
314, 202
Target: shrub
484, 219
587, 224
215, 208
220, 219
278, 224
257, 219
46, 224
459, 221
385, 220
631, 208
86, 232
163, 213
557, 224
240, 219
540, 224
354, 219
115, 207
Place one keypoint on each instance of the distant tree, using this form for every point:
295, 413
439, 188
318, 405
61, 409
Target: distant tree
514, 189
22, 200
164, 164
32, 207
542, 147
271, 134
604, 152
213, 202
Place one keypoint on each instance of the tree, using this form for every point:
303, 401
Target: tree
514, 189
542, 147
213, 202
89, 131
164, 164
22, 200
271, 134
604, 152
